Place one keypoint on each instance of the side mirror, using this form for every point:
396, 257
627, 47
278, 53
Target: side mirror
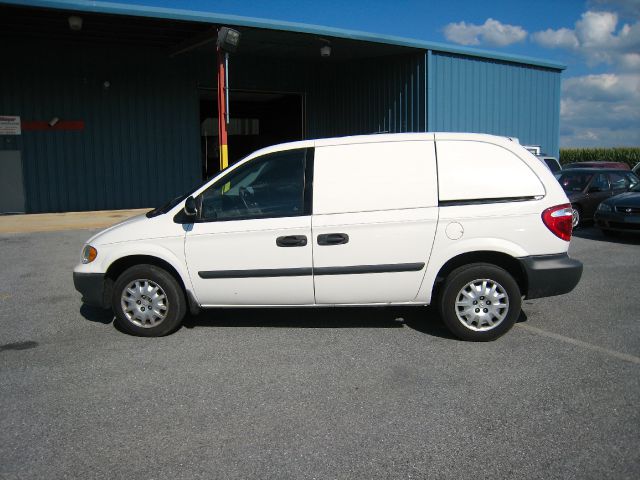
190, 207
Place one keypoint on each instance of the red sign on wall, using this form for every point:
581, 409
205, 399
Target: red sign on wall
66, 125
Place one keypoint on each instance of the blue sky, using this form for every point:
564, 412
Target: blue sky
598, 40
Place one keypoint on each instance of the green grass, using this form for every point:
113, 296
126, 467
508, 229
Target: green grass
630, 156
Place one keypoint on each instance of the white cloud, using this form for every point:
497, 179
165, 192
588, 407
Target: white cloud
600, 110
491, 32
562, 38
595, 29
597, 38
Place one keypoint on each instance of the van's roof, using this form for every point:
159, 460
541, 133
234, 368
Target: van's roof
388, 137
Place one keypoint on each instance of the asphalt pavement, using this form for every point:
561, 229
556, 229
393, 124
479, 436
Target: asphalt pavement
343, 393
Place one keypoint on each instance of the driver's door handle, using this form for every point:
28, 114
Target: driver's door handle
291, 241
333, 239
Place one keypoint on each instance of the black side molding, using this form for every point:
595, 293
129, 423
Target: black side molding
550, 275
303, 272
268, 272
483, 201
359, 269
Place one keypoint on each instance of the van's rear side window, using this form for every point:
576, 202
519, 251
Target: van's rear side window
471, 170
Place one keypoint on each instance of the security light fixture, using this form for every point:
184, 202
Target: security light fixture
228, 39
54, 121
75, 23
325, 51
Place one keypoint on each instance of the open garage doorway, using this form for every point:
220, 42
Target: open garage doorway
258, 119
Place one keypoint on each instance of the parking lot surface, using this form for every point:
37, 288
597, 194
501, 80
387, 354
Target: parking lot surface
325, 393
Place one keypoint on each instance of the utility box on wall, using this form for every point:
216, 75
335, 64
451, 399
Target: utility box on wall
11, 182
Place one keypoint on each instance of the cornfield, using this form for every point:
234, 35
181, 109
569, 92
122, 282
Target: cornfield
630, 156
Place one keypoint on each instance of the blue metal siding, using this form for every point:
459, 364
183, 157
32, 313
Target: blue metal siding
347, 98
488, 96
140, 144
374, 95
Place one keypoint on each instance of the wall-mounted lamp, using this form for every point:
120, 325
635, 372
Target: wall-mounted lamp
325, 51
54, 121
228, 39
106, 84
75, 23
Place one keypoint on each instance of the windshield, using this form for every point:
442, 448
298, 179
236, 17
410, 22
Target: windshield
172, 203
167, 206
635, 188
574, 182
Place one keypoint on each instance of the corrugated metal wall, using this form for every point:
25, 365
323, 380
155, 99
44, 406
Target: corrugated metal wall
373, 95
347, 98
139, 145
481, 95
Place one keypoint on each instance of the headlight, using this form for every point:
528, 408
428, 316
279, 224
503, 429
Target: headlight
89, 254
603, 207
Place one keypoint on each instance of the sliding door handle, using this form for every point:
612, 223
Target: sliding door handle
291, 241
333, 239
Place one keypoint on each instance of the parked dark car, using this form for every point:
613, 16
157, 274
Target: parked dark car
551, 163
620, 213
614, 165
587, 187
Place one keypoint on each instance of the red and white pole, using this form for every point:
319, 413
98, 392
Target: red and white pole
222, 109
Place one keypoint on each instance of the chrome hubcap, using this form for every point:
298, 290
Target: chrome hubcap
575, 218
144, 303
482, 305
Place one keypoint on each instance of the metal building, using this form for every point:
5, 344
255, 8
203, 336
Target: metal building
118, 113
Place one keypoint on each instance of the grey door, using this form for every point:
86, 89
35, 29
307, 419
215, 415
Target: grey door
11, 184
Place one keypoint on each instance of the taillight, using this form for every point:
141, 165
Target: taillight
559, 220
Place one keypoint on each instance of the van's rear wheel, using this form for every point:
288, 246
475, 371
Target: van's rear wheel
480, 302
148, 301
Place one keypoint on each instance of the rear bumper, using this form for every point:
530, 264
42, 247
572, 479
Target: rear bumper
93, 287
549, 275
617, 221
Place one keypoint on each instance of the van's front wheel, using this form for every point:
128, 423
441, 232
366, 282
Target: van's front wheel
148, 301
480, 302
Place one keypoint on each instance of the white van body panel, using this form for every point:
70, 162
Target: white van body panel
138, 228
374, 176
403, 199
391, 237
514, 229
249, 245
168, 249
390, 219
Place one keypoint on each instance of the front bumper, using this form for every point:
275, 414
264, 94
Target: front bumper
95, 289
617, 221
549, 275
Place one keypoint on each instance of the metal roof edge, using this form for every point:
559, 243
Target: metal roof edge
210, 17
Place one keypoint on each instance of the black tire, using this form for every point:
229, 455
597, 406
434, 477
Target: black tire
461, 277
176, 305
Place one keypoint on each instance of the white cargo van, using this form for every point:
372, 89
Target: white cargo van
471, 222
